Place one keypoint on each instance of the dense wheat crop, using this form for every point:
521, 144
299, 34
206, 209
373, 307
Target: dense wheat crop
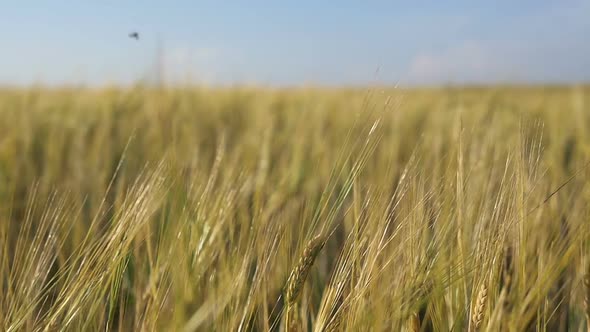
250, 209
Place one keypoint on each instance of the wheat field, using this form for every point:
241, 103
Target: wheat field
295, 209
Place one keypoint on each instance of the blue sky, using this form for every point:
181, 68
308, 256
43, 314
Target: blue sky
317, 42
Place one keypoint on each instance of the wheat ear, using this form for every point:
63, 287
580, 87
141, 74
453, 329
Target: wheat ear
299, 274
479, 308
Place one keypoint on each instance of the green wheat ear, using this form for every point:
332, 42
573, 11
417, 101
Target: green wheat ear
300, 271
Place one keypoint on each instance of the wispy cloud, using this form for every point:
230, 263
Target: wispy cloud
543, 45
469, 61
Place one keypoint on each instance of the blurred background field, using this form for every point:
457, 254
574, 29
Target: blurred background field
187, 208
73, 139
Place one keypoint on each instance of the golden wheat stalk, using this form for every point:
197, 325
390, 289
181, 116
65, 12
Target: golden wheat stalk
298, 275
414, 322
292, 317
478, 310
334, 324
